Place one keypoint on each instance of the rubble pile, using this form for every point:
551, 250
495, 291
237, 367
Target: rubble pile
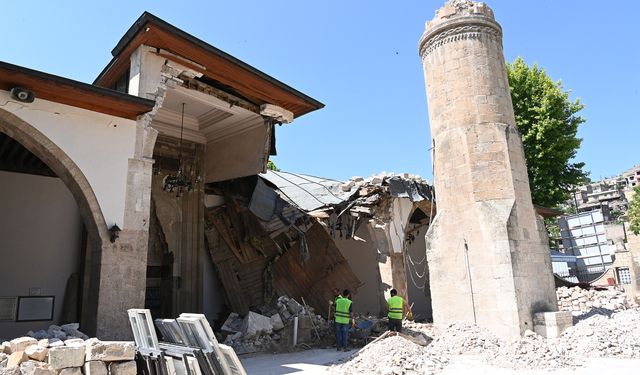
582, 300
392, 355
62, 333
597, 334
71, 356
272, 330
532, 352
600, 335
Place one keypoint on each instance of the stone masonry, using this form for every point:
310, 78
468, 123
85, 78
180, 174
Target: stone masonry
487, 261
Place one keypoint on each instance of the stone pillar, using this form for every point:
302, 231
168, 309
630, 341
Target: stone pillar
487, 261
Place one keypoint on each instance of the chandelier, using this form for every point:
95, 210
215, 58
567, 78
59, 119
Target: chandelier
179, 182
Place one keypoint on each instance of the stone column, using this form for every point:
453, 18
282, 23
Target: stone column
487, 261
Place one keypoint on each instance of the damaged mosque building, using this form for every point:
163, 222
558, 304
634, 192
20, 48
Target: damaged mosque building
150, 188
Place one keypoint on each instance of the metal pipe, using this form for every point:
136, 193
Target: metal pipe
295, 331
473, 303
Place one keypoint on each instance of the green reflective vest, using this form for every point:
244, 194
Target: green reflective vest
342, 310
395, 307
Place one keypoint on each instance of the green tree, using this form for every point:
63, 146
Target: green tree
272, 166
634, 212
548, 123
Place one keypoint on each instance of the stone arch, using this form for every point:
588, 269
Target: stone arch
64, 167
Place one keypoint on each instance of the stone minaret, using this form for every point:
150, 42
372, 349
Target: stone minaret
488, 257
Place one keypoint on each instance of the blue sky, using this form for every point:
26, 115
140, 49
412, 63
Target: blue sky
360, 59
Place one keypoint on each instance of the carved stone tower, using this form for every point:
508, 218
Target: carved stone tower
488, 258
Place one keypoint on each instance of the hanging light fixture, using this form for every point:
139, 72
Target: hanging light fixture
179, 182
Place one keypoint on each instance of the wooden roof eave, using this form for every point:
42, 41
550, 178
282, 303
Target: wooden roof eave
248, 82
74, 93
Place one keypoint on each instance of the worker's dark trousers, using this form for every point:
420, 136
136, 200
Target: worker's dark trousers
342, 334
395, 325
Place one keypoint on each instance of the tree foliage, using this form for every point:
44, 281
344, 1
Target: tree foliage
548, 122
272, 166
634, 212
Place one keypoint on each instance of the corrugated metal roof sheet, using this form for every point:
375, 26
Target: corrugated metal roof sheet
308, 192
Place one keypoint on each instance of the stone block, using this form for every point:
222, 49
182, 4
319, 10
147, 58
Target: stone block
66, 356
55, 342
21, 343
233, 323
57, 334
276, 322
41, 334
108, 351
95, 368
44, 343
294, 307
74, 342
70, 327
552, 324
5, 348
122, 368
16, 358
44, 371
254, 324
29, 367
4, 358
71, 371
15, 370
36, 352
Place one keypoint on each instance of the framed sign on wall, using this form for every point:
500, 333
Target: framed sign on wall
8, 309
35, 308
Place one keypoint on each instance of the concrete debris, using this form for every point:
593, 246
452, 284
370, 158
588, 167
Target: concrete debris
122, 368
292, 305
392, 355
53, 356
273, 331
233, 323
95, 368
276, 322
45, 371
255, 324
21, 343
71, 371
16, 358
55, 342
64, 332
36, 352
599, 333
66, 356
74, 342
10, 371
577, 299
108, 351
29, 367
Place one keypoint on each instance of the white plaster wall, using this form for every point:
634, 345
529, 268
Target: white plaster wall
145, 74
40, 236
99, 144
362, 257
400, 214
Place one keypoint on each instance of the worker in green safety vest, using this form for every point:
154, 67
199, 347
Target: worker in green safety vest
395, 305
343, 316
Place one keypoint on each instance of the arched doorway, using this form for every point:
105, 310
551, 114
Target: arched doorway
65, 182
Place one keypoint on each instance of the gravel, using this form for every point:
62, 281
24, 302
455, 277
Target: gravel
599, 333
